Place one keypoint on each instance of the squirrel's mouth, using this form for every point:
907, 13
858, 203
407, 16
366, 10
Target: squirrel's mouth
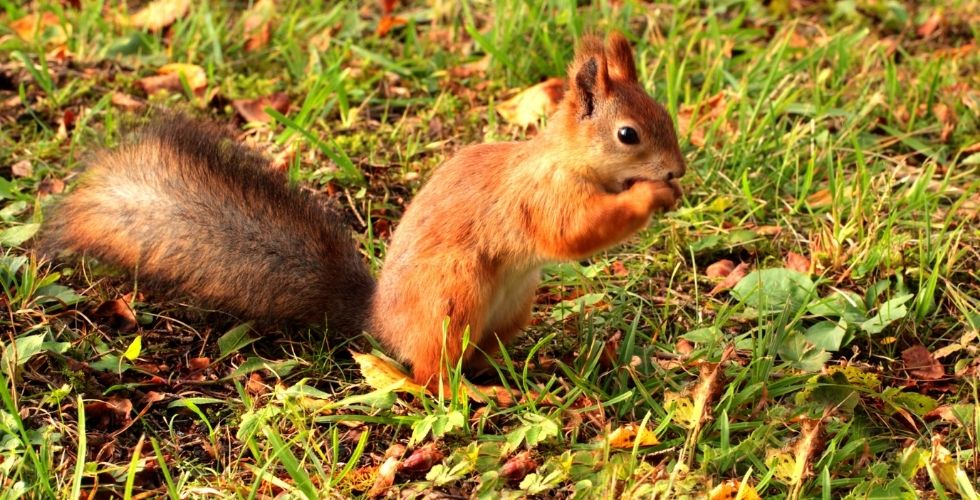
673, 183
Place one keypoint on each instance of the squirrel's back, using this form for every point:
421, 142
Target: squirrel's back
189, 208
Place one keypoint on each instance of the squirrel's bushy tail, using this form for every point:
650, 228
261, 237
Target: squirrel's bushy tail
185, 206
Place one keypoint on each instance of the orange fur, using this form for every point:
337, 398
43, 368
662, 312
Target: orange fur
471, 244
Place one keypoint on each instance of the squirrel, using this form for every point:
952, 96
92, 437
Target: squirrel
190, 210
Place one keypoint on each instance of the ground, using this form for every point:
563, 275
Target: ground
833, 153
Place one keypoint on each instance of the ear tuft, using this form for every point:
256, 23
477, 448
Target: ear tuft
588, 75
621, 64
585, 83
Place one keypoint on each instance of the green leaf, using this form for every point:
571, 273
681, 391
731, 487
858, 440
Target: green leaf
58, 293
771, 291
710, 335
14, 236
134, 349
235, 339
278, 368
840, 304
827, 335
889, 312
24, 348
567, 308
802, 355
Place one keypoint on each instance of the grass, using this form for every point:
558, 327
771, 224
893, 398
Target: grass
845, 132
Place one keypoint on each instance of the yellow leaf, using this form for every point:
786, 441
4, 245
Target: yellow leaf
159, 14
195, 75
733, 490
531, 104
381, 374
628, 435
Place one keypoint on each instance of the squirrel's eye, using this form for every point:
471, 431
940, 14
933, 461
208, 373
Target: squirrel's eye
628, 135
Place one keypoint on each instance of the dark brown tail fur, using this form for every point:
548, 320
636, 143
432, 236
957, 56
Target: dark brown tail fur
186, 207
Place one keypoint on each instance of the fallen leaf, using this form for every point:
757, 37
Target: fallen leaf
382, 374
388, 21
114, 410
610, 352
820, 199
422, 459
198, 364
253, 110
528, 106
630, 434
733, 490
694, 120
125, 101
930, 25
947, 468
732, 279
169, 75
684, 347
256, 385
119, 315
618, 269
32, 26
720, 269
158, 14
921, 364
256, 23
51, 186
22, 168
768, 230
797, 262
384, 478
947, 117
516, 468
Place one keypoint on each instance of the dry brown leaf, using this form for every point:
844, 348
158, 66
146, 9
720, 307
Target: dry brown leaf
720, 269
809, 443
253, 110
197, 364
732, 279
158, 14
768, 230
169, 75
707, 112
126, 101
626, 436
921, 364
947, 117
381, 374
820, 199
797, 262
422, 459
120, 316
51, 186
684, 347
22, 168
256, 23
528, 106
733, 490
516, 468
610, 352
385, 478
618, 269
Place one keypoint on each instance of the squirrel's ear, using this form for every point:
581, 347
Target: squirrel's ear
621, 65
588, 76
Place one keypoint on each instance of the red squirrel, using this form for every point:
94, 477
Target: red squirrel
191, 210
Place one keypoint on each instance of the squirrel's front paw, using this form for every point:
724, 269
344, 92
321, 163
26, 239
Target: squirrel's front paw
651, 196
